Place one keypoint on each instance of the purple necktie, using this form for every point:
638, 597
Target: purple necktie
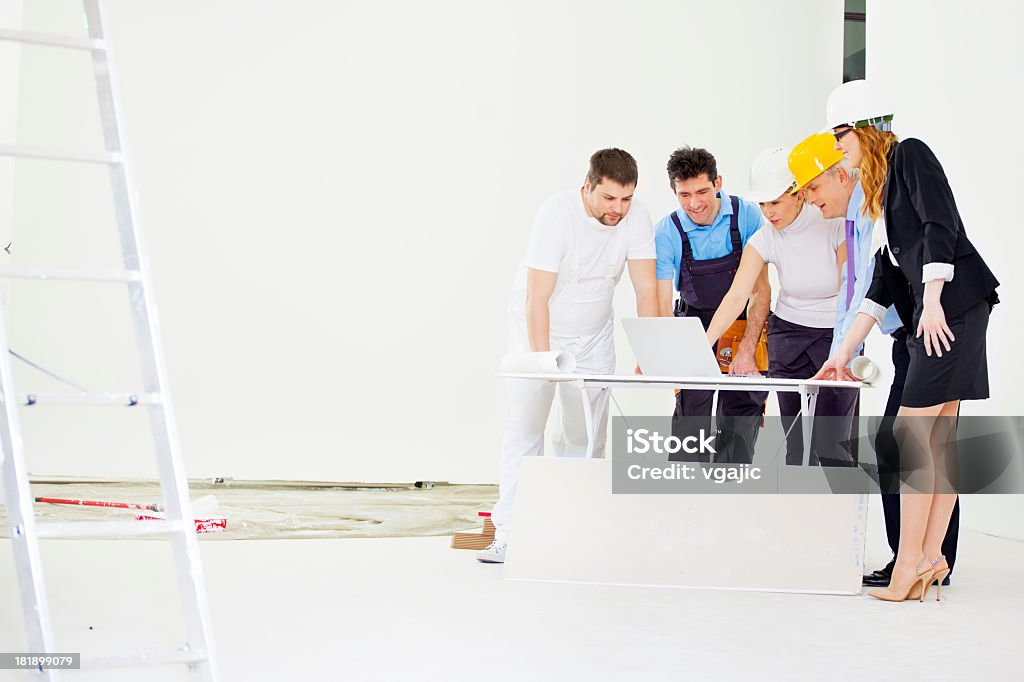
850, 248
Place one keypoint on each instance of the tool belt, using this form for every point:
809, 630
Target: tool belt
726, 347
730, 342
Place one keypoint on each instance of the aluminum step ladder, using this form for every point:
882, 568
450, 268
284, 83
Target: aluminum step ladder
197, 652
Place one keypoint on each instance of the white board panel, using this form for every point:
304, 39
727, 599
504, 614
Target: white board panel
569, 527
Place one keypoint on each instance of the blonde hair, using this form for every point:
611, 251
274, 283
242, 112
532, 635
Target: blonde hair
874, 166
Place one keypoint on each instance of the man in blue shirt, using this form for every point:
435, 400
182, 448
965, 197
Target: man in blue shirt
838, 193
699, 248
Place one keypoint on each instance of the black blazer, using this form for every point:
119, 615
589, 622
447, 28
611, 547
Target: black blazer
923, 226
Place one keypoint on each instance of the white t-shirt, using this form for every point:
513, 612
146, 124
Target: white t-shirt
804, 254
588, 256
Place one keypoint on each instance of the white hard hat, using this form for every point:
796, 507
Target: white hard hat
769, 175
859, 104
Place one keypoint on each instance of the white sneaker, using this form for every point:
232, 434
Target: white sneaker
494, 553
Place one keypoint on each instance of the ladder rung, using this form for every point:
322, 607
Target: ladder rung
103, 529
72, 275
144, 658
108, 399
59, 155
52, 40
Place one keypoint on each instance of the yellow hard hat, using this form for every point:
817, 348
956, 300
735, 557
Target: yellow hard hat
812, 157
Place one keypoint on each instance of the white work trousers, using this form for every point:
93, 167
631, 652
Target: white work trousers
528, 404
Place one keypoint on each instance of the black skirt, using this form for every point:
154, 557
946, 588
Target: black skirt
960, 374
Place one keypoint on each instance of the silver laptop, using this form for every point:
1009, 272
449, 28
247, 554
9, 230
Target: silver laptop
671, 347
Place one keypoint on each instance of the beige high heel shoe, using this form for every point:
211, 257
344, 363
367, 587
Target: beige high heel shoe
914, 589
937, 578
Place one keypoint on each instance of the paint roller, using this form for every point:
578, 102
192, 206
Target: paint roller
204, 510
867, 371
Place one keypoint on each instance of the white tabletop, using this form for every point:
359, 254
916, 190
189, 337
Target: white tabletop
747, 382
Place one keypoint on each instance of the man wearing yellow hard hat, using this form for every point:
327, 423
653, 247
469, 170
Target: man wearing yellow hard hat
831, 184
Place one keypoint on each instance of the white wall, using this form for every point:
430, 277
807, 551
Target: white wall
954, 71
336, 196
10, 60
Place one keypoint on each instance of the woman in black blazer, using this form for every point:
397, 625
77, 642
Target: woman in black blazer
929, 269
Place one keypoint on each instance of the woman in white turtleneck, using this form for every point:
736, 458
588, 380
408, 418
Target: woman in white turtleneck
807, 251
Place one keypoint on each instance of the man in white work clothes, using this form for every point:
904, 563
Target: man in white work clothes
562, 300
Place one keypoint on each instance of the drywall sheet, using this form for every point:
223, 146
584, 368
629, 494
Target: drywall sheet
569, 527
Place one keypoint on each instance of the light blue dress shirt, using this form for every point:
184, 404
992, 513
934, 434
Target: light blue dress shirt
864, 268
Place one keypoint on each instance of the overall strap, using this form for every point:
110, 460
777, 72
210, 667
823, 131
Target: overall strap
687, 249
734, 225
684, 261
687, 294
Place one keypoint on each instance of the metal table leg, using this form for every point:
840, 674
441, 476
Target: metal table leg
589, 419
808, 399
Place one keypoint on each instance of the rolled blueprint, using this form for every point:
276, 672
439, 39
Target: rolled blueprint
865, 370
551, 362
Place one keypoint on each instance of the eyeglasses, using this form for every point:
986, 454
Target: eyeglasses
840, 134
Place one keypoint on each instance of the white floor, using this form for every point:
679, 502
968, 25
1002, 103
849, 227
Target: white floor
413, 609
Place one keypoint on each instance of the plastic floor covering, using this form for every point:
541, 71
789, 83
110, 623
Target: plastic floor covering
278, 510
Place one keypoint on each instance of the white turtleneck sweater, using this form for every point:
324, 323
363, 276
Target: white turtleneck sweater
804, 254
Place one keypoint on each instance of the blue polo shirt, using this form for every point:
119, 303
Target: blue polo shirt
707, 241
864, 268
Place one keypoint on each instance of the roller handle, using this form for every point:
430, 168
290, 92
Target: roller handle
97, 503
